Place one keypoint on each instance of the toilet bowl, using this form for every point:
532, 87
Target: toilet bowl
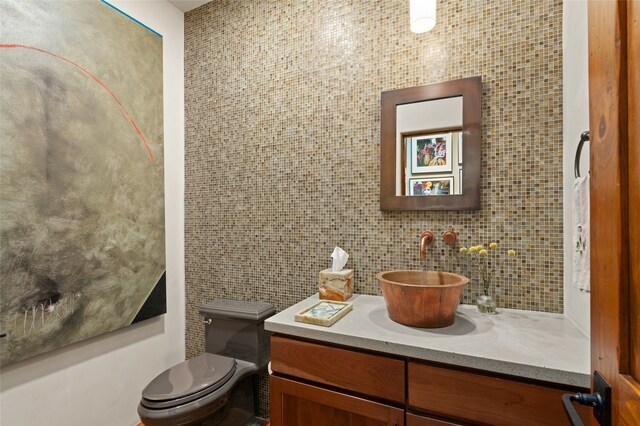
218, 386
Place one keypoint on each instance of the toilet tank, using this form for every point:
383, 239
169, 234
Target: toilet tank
236, 329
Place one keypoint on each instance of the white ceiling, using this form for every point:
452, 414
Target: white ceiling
187, 5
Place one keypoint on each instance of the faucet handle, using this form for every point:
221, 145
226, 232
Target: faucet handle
450, 236
428, 237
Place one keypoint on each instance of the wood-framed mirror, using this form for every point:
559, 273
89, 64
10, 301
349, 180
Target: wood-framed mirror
430, 145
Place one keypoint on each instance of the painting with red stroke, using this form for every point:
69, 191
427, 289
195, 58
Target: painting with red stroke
82, 234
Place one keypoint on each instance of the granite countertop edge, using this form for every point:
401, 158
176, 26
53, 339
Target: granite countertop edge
283, 323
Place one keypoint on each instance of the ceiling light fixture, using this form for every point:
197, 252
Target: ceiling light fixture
422, 15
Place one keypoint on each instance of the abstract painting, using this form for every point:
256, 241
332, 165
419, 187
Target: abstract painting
430, 186
431, 153
82, 235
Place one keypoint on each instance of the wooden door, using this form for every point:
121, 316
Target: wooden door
614, 85
294, 403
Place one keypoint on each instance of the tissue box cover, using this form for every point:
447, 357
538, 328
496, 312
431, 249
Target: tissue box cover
336, 285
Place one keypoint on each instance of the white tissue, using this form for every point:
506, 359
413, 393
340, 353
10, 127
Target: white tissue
340, 258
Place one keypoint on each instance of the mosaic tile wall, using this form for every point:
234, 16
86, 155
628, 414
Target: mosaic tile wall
283, 139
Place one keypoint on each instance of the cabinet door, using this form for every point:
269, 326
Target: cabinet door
294, 403
415, 420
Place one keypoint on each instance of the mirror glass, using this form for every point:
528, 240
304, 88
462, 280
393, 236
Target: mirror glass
429, 148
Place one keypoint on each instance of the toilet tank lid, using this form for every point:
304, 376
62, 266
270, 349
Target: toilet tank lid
236, 309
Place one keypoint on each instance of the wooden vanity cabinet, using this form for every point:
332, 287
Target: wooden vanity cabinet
316, 384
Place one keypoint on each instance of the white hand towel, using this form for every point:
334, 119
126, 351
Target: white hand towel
581, 242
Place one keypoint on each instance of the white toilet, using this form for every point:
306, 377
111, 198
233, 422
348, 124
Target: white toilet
217, 387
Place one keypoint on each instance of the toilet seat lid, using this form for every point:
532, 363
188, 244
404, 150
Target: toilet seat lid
204, 372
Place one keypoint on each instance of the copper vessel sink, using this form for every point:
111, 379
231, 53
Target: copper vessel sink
427, 299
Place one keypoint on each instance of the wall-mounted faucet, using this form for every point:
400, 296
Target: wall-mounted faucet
427, 237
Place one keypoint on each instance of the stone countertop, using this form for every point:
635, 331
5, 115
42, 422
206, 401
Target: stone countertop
534, 345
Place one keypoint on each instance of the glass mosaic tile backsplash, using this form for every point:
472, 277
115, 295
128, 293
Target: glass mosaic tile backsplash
283, 138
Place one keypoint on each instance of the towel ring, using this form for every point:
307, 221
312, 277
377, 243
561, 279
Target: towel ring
584, 137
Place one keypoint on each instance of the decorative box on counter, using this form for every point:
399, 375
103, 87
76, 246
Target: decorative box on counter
336, 285
323, 313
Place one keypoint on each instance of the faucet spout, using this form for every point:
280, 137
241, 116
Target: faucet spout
427, 237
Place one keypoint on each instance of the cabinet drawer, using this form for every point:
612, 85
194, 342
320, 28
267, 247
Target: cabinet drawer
485, 399
359, 372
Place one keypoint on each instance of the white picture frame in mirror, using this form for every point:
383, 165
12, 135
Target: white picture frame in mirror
431, 153
430, 186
